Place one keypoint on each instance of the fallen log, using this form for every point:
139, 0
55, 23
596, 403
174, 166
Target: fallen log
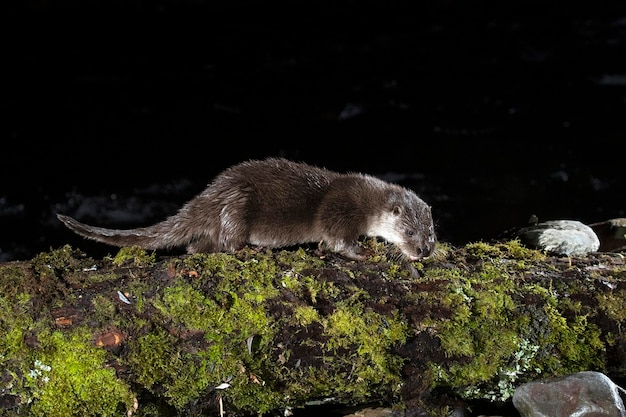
261, 332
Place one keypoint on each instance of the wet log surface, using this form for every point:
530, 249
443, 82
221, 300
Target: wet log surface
262, 332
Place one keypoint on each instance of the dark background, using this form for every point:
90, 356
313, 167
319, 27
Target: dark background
117, 112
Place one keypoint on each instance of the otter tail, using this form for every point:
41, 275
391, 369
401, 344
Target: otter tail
158, 236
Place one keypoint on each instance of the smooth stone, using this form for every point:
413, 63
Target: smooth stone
583, 394
562, 237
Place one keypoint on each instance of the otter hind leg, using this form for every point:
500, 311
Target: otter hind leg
209, 245
201, 246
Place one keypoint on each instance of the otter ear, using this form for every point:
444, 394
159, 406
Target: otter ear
397, 210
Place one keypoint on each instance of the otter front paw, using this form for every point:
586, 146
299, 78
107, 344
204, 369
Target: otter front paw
352, 252
356, 253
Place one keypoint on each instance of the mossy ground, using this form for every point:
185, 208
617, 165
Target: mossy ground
260, 331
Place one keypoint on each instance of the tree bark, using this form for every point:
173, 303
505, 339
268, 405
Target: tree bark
270, 331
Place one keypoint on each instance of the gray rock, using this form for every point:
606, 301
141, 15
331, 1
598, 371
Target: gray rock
584, 394
562, 237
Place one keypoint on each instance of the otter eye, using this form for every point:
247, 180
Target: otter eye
410, 232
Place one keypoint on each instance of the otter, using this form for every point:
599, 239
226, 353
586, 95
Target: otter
276, 203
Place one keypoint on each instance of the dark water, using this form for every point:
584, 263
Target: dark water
118, 112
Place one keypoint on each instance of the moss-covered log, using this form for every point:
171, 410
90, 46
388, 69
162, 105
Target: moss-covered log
260, 332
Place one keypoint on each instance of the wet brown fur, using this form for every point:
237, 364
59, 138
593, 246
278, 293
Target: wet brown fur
278, 203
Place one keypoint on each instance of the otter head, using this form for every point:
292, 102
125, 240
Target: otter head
407, 222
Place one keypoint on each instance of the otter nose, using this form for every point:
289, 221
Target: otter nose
419, 254
426, 250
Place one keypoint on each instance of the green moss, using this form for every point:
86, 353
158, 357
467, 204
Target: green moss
509, 250
298, 260
12, 280
371, 337
140, 289
69, 377
613, 304
252, 276
311, 288
13, 352
252, 395
85, 279
184, 377
291, 280
479, 315
16, 326
204, 319
60, 261
187, 377
134, 256
305, 383
150, 357
492, 338
105, 310
217, 317
482, 306
186, 306
355, 350
230, 322
61, 270
577, 341
569, 343
305, 315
